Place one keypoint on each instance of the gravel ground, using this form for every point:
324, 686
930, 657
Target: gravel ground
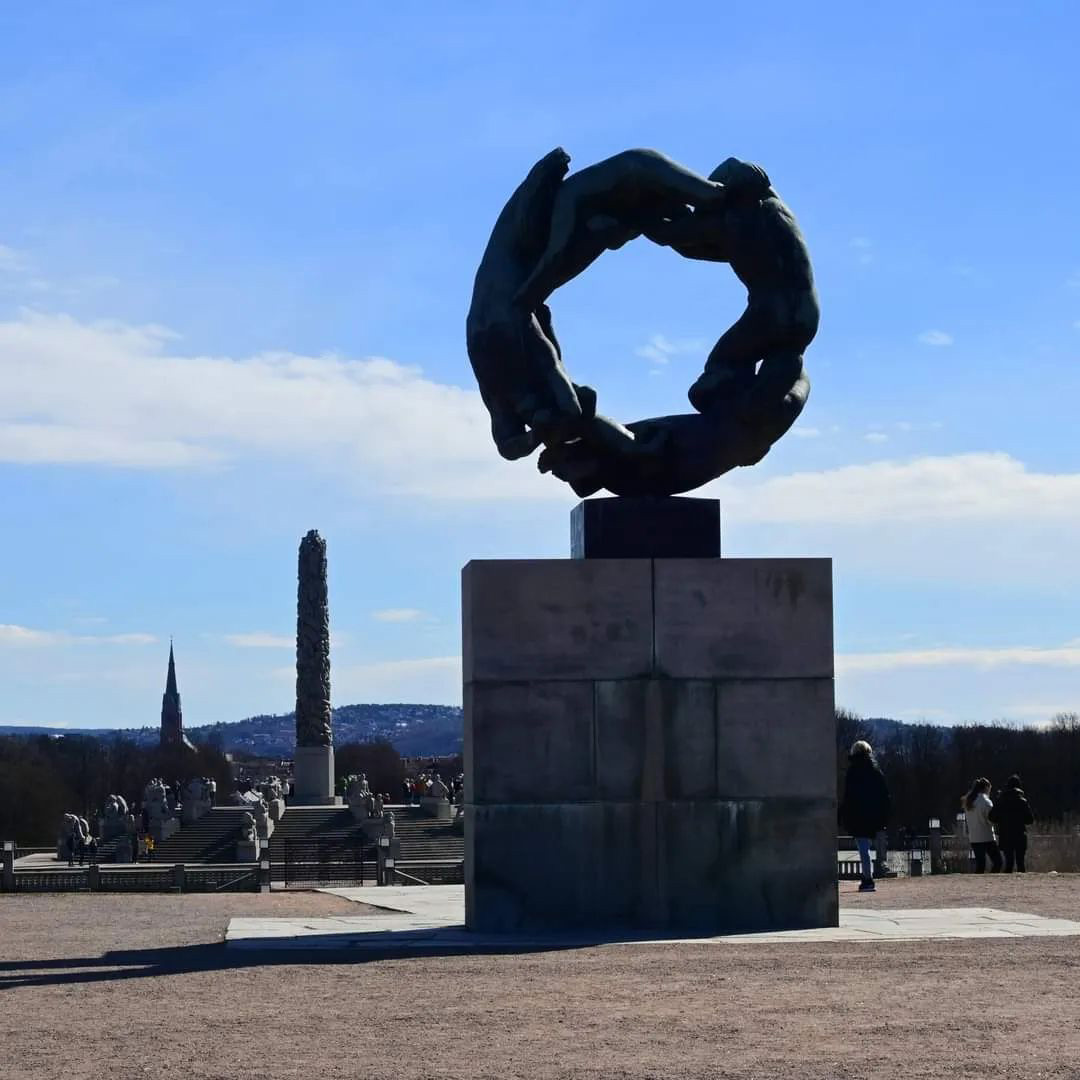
127, 987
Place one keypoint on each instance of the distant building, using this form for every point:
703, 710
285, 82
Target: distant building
172, 719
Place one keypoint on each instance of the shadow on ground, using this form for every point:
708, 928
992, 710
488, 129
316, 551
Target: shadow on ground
122, 964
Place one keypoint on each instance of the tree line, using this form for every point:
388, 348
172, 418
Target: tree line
929, 768
42, 777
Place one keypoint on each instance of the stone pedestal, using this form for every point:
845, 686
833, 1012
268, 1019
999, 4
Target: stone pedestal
193, 809
436, 808
645, 527
247, 851
7, 870
313, 780
162, 828
649, 743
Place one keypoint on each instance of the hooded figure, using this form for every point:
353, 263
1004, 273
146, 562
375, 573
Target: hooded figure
1012, 815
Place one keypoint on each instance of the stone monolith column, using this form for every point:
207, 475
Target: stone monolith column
314, 761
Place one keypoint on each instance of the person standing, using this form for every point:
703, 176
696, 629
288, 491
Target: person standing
864, 809
1012, 815
977, 808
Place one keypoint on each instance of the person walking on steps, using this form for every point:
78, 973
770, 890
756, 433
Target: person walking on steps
864, 809
977, 808
1012, 815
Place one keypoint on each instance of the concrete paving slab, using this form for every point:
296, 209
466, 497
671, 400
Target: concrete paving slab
437, 922
439, 901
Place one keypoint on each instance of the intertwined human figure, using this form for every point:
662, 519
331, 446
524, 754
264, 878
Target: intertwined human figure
753, 386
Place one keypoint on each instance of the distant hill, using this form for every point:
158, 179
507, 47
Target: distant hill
414, 730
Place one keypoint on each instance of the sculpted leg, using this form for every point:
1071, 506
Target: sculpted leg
730, 365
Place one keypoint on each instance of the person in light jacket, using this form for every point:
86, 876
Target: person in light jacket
977, 808
865, 807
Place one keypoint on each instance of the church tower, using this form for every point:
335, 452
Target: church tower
172, 720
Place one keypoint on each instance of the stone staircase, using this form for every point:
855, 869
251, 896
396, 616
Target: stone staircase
108, 850
322, 845
211, 839
431, 851
326, 823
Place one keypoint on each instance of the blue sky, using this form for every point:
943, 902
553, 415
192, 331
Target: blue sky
237, 243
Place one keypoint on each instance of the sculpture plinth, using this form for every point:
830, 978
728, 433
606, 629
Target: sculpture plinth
649, 744
645, 527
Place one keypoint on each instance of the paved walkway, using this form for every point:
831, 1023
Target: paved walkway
433, 918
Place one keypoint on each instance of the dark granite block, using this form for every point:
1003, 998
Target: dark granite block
645, 528
655, 740
775, 737
743, 618
560, 866
529, 742
556, 619
748, 865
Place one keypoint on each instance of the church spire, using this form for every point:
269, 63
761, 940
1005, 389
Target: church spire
172, 719
170, 682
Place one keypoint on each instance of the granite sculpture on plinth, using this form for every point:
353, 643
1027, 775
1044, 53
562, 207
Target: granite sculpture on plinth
630, 713
753, 386
73, 832
314, 760
161, 815
362, 801
113, 817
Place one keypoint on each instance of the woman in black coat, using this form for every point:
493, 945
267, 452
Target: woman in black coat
865, 807
1012, 815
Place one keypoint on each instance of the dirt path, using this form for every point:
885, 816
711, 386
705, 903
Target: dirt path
126, 987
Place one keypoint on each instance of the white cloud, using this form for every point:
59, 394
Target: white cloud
1067, 655
962, 520
399, 615
935, 337
963, 486
261, 639
876, 437
660, 349
1039, 710
111, 394
24, 635
12, 635
800, 432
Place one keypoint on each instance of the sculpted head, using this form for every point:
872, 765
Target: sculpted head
741, 176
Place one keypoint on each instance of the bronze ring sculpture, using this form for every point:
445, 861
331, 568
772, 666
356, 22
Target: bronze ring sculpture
753, 386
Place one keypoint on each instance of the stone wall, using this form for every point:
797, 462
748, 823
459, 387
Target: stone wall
649, 742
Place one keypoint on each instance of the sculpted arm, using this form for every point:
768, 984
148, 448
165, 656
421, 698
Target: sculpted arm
694, 236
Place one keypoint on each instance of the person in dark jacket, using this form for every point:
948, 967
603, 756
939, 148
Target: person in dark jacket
1012, 815
864, 809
